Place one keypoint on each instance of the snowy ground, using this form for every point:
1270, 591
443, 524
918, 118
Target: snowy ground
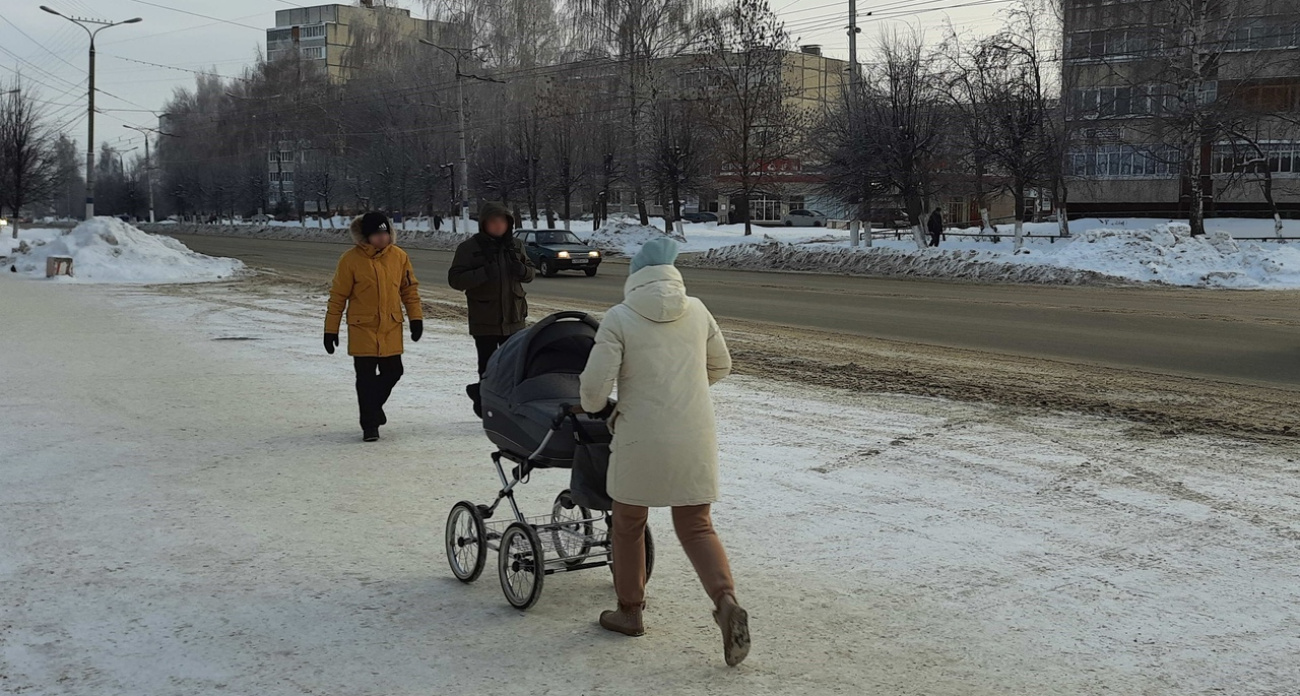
188, 511
107, 250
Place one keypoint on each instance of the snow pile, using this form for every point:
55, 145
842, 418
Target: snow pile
107, 250
1165, 254
626, 236
961, 264
1170, 254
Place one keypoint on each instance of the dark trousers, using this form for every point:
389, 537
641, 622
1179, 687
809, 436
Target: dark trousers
376, 378
487, 347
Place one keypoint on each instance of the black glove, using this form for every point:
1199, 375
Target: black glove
605, 413
517, 269
417, 329
331, 340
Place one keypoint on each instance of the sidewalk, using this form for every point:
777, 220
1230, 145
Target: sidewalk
187, 509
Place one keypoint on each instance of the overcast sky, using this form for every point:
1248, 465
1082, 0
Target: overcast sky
51, 52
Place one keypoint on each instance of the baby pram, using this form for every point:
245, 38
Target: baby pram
529, 395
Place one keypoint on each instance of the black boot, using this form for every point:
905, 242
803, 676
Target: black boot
370, 435
472, 390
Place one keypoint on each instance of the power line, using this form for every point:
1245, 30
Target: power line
196, 14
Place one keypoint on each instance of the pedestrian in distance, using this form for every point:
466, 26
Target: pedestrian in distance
373, 282
437, 222
491, 268
935, 225
663, 350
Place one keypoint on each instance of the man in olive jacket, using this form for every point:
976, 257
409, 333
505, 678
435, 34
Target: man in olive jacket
491, 269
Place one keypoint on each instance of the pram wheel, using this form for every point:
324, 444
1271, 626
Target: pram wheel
521, 565
466, 541
571, 530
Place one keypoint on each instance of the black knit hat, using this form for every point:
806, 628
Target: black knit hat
374, 223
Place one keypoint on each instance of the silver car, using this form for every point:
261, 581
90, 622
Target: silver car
804, 218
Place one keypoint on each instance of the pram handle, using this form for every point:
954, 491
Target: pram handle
570, 314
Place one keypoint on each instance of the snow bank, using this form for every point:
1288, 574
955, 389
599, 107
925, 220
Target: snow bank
1170, 254
107, 250
626, 236
1165, 254
413, 239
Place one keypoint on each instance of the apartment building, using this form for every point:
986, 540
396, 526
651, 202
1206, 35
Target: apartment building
1164, 93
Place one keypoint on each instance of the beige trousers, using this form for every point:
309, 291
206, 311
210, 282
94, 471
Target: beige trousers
694, 526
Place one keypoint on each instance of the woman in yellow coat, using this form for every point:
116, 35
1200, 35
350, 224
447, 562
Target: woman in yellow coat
374, 280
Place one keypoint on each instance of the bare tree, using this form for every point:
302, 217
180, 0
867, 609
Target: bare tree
1004, 89
755, 114
638, 33
888, 138
679, 159
27, 164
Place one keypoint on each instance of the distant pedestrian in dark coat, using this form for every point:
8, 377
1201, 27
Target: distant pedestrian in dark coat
935, 225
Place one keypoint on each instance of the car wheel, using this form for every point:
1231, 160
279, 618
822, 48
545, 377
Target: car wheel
591, 272
545, 267
789, 223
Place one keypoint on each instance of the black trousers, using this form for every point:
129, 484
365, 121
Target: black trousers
376, 378
487, 347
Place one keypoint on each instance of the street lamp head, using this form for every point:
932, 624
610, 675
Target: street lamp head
134, 20
53, 12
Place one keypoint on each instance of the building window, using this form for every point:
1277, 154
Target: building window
1258, 33
1130, 43
316, 31
1277, 158
313, 52
1125, 162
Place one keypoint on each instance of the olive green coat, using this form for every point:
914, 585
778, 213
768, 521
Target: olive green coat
482, 269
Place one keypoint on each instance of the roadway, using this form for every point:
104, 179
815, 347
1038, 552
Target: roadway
1249, 337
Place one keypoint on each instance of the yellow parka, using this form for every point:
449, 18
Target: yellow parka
373, 286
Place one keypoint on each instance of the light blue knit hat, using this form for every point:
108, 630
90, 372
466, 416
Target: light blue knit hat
661, 251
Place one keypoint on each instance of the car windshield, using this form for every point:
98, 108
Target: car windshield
557, 238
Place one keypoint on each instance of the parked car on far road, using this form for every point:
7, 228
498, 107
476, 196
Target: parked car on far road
700, 217
804, 218
553, 251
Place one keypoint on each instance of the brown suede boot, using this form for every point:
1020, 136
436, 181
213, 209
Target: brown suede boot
734, 623
626, 620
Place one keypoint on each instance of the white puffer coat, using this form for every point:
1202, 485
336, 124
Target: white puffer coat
663, 349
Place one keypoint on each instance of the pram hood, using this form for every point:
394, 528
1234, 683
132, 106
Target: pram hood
529, 380
558, 344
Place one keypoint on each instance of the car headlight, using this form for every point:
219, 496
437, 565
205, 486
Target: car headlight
594, 254
563, 254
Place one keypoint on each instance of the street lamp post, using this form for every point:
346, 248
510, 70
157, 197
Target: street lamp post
457, 55
90, 110
148, 163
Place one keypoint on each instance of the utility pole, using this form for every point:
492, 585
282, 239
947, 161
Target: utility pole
90, 121
458, 54
452, 178
855, 76
853, 46
148, 162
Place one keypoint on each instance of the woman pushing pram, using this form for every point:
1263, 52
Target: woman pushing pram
663, 349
